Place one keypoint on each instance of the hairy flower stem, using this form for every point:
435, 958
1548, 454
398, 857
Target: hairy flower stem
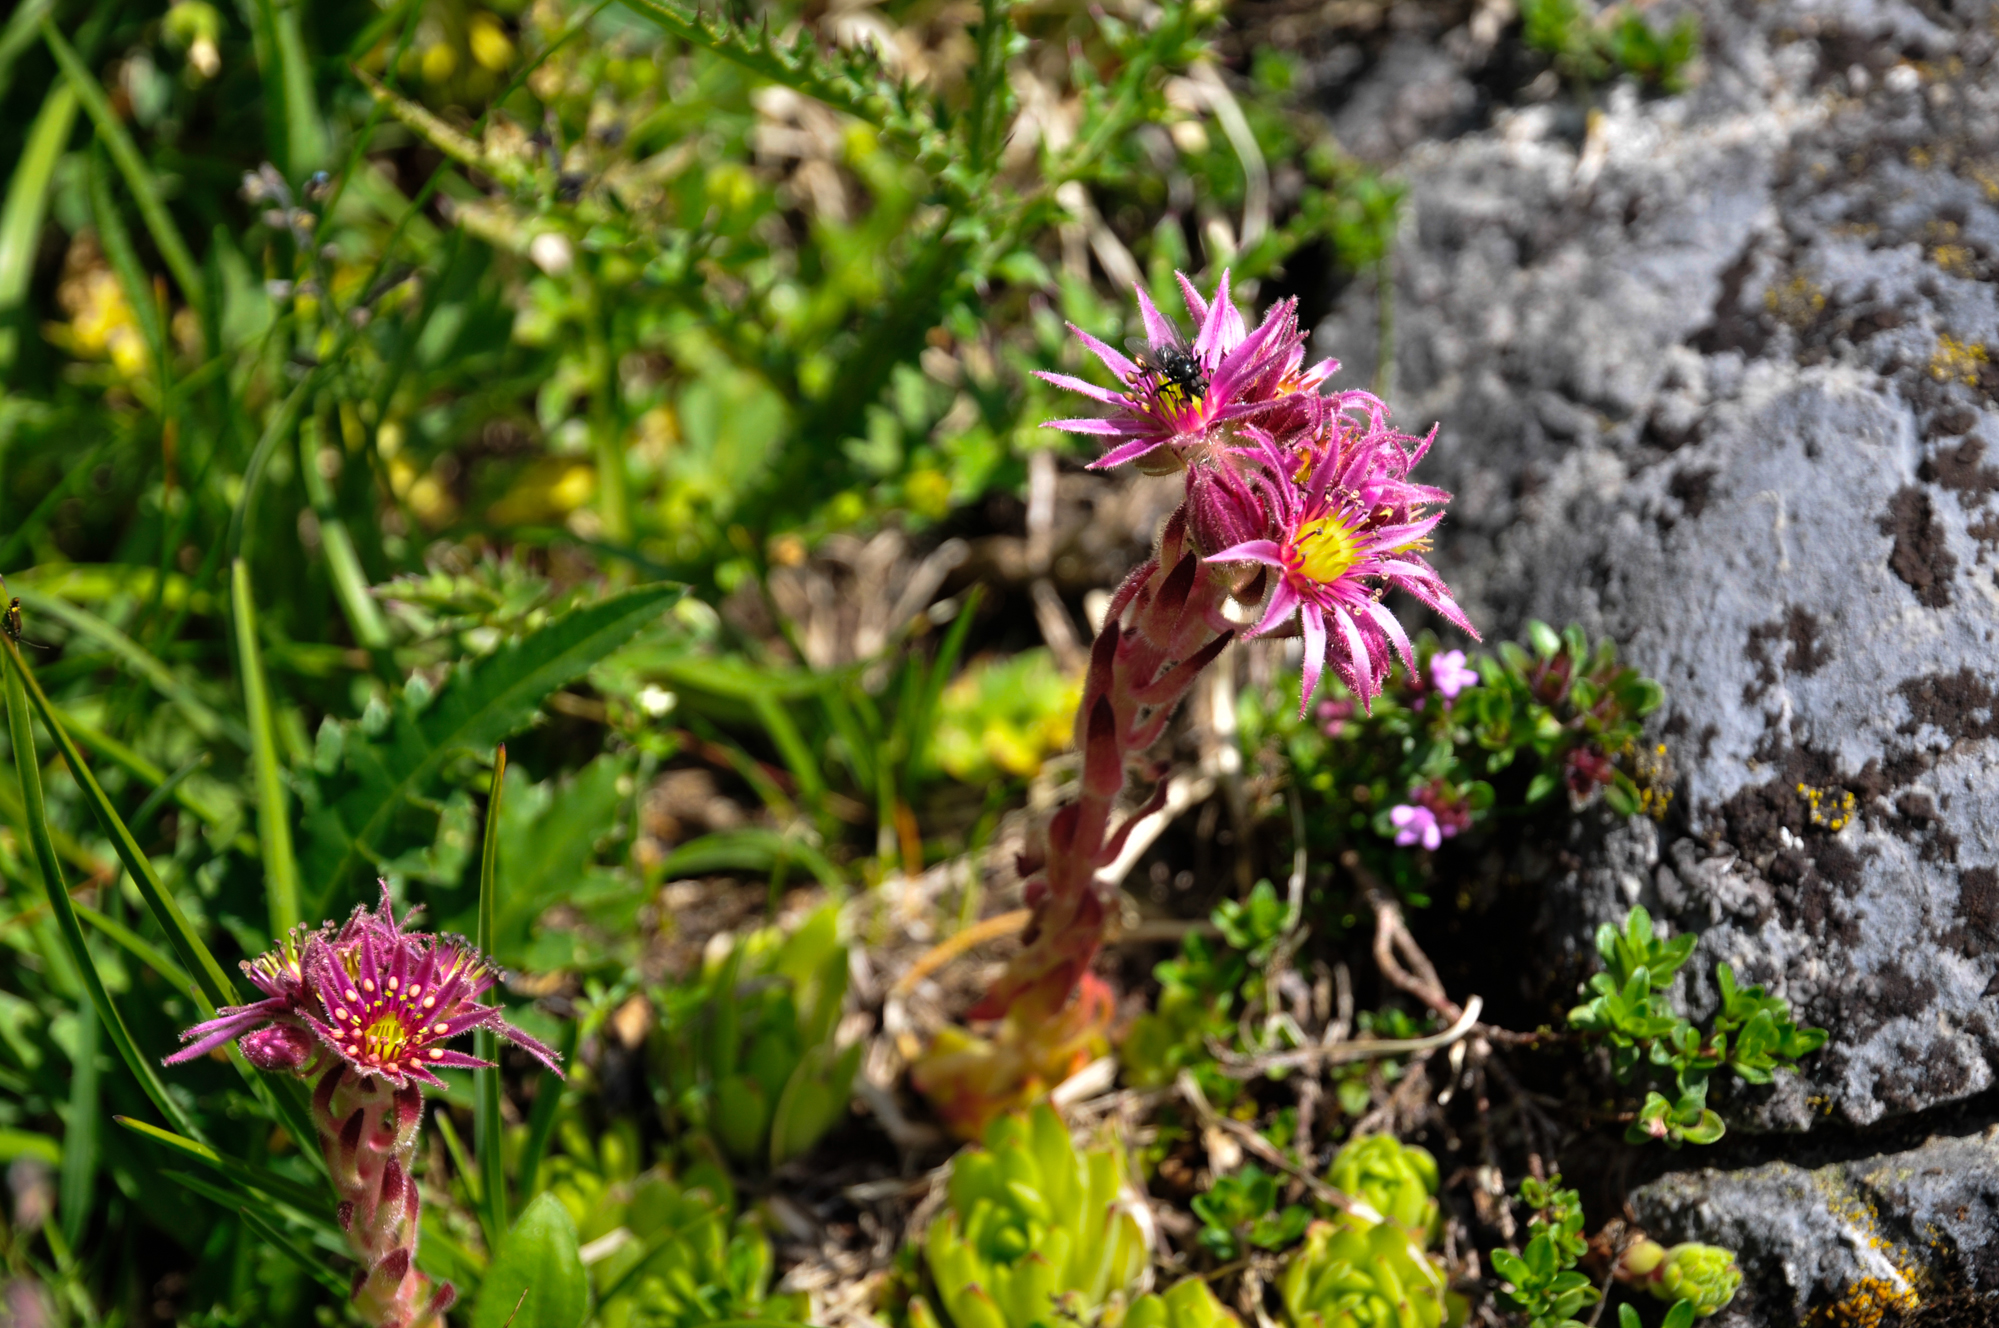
1163, 627
368, 1131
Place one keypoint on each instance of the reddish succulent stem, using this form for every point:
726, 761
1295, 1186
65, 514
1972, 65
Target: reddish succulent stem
367, 1132
1165, 625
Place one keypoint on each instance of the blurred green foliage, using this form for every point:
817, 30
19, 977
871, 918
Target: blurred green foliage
744, 1051
1586, 46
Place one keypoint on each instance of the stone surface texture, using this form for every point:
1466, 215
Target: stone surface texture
1716, 377
1848, 1243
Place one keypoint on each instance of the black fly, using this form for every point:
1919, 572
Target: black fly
1172, 367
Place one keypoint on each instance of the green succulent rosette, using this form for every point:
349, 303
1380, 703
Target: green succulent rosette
1188, 1303
1034, 1233
1397, 1180
1705, 1276
1351, 1273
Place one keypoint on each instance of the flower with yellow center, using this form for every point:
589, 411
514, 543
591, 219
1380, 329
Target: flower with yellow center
1344, 524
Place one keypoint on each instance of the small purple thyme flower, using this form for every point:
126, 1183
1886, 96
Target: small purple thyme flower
1449, 675
1415, 825
367, 1012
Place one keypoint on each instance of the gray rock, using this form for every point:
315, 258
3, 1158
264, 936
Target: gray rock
1712, 380
1843, 1243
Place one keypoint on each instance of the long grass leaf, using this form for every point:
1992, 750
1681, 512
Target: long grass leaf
18, 36
486, 1124
213, 979
343, 563
314, 1267
145, 952
25, 1143
307, 1200
116, 243
27, 203
79, 1134
138, 177
753, 850
474, 709
274, 831
141, 661
28, 767
542, 1117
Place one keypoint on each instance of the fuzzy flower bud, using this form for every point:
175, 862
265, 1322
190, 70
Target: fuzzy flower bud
1706, 1276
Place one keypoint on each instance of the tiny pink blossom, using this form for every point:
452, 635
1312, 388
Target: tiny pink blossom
1415, 825
1449, 675
1333, 717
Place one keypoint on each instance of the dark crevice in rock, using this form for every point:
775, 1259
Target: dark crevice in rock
1921, 556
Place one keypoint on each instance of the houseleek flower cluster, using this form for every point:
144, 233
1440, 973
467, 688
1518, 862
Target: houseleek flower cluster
1371, 1264
366, 1013
1299, 510
1035, 1233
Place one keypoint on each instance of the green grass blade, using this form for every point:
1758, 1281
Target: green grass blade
79, 1135
798, 757
542, 1117
274, 831
27, 203
18, 36
25, 1143
141, 661
305, 134
28, 767
116, 242
146, 953
214, 982
486, 1125
314, 1266
753, 850
475, 709
138, 177
343, 563
307, 1200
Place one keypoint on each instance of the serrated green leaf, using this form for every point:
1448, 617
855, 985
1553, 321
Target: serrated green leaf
479, 705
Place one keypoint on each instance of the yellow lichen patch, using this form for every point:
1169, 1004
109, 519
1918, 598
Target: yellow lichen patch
1797, 302
1867, 1304
1831, 808
1653, 773
1955, 360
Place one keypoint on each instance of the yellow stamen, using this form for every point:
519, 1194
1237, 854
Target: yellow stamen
385, 1038
1326, 549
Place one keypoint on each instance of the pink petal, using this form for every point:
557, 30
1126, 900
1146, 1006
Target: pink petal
1250, 551
1113, 360
1117, 456
1090, 390
1158, 330
1357, 652
1214, 341
1315, 653
1196, 306
1392, 629
1283, 600
1093, 425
